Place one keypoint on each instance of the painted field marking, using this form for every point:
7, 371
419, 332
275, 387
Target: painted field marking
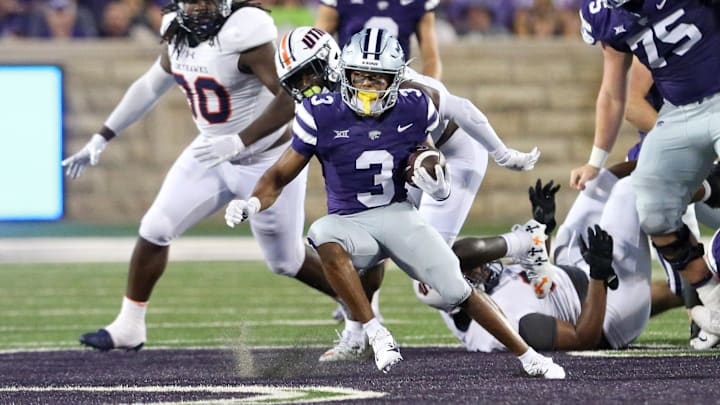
197, 325
260, 393
647, 351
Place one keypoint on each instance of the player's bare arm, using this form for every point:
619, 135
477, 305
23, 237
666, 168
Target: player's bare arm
609, 111
430, 54
279, 112
260, 62
268, 187
327, 19
587, 332
137, 101
638, 110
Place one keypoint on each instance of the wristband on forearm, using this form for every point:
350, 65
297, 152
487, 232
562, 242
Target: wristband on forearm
598, 157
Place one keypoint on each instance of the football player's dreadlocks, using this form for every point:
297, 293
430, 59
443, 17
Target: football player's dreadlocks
191, 30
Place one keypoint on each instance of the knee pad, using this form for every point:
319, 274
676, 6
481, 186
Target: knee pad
682, 251
157, 229
538, 330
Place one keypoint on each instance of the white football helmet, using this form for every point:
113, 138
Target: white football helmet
307, 48
376, 51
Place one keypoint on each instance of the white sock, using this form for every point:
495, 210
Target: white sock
353, 327
128, 328
372, 326
518, 243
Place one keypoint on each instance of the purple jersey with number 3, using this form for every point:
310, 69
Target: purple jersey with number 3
363, 158
399, 17
678, 40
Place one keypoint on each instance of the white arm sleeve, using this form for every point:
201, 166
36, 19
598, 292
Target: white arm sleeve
140, 97
471, 120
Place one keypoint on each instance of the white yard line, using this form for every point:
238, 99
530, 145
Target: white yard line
114, 250
118, 250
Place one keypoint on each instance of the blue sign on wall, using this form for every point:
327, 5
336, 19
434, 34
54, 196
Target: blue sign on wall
31, 139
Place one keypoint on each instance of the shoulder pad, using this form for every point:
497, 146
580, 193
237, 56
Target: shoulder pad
166, 20
247, 28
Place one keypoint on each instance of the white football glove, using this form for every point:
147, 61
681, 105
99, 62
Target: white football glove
515, 160
239, 211
89, 154
212, 151
437, 188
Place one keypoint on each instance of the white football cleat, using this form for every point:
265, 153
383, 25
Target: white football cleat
536, 262
706, 318
387, 352
704, 341
349, 347
544, 367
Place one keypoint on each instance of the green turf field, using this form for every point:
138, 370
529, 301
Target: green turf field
216, 304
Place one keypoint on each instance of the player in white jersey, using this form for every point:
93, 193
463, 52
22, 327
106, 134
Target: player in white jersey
221, 53
307, 60
611, 319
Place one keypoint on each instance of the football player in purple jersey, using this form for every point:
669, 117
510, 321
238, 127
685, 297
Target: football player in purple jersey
362, 137
401, 19
643, 103
306, 61
678, 42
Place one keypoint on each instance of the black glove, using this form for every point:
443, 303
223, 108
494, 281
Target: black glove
542, 199
599, 256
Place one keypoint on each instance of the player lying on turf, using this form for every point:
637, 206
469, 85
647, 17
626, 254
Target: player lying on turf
574, 315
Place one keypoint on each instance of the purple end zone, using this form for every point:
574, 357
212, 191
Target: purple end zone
428, 375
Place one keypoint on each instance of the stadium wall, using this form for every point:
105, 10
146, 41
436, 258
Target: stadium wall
535, 92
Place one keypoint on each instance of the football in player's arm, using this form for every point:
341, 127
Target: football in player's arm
370, 218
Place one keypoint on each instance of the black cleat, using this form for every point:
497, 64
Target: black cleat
102, 341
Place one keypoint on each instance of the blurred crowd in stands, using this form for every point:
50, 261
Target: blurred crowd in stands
141, 18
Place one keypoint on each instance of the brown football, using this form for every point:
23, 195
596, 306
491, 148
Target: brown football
423, 156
